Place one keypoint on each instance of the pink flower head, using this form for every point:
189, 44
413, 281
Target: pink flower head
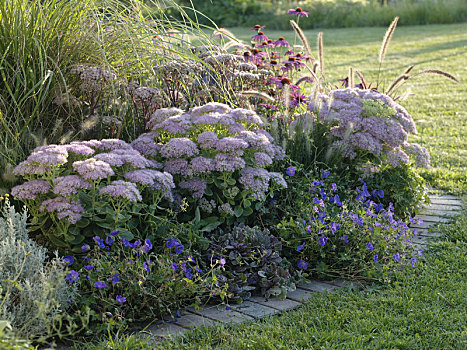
69, 185
298, 11
257, 28
122, 189
93, 169
30, 189
68, 210
281, 42
260, 37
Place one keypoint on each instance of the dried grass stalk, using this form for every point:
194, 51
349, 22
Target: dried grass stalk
396, 83
362, 79
439, 72
408, 70
257, 94
387, 39
305, 78
351, 80
321, 52
302, 37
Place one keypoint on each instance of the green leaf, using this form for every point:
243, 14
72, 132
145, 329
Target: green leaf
248, 211
238, 211
83, 223
231, 181
246, 203
210, 227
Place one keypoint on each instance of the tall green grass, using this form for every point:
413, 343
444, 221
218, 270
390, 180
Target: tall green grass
42, 40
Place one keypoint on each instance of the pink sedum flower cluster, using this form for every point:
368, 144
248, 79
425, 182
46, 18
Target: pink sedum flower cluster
369, 121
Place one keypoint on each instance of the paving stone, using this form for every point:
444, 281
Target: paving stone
165, 330
281, 305
447, 196
190, 320
341, 283
440, 213
432, 218
424, 224
420, 239
441, 200
444, 207
224, 316
300, 295
255, 310
316, 286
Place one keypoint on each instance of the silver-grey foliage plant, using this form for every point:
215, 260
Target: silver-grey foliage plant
33, 289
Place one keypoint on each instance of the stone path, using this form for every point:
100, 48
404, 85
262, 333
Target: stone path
439, 211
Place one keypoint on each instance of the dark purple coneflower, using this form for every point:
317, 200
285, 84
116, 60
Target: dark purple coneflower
298, 11
260, 37
281, 42
257, 28
297, 98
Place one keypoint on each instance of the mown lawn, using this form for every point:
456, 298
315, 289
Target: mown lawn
439, 106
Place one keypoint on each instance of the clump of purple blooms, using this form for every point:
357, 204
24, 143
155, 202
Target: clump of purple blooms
200, 145
369, 121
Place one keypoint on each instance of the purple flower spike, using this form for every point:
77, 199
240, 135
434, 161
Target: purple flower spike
396, 257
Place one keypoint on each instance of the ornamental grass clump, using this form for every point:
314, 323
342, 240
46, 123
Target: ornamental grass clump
76, 188
218, 157
355, 237
125, 281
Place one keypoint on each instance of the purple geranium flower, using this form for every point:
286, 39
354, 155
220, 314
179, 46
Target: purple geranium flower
100, 285
325, 174
413, 261
89, 267
109, 240
298, 11
68, 260
222, 262
72, 276
120, 299
322, 241
179, 248
115, 278
302, 264
147, 245
85, 248
171, 242
290, 171
369, 246
114, 233
396, 257
300, 247
375, 257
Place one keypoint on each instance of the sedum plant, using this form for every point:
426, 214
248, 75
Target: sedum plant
218, 158
33, 292
74, 189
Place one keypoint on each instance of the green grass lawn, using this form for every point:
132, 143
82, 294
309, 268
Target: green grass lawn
423, 308
439, 106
